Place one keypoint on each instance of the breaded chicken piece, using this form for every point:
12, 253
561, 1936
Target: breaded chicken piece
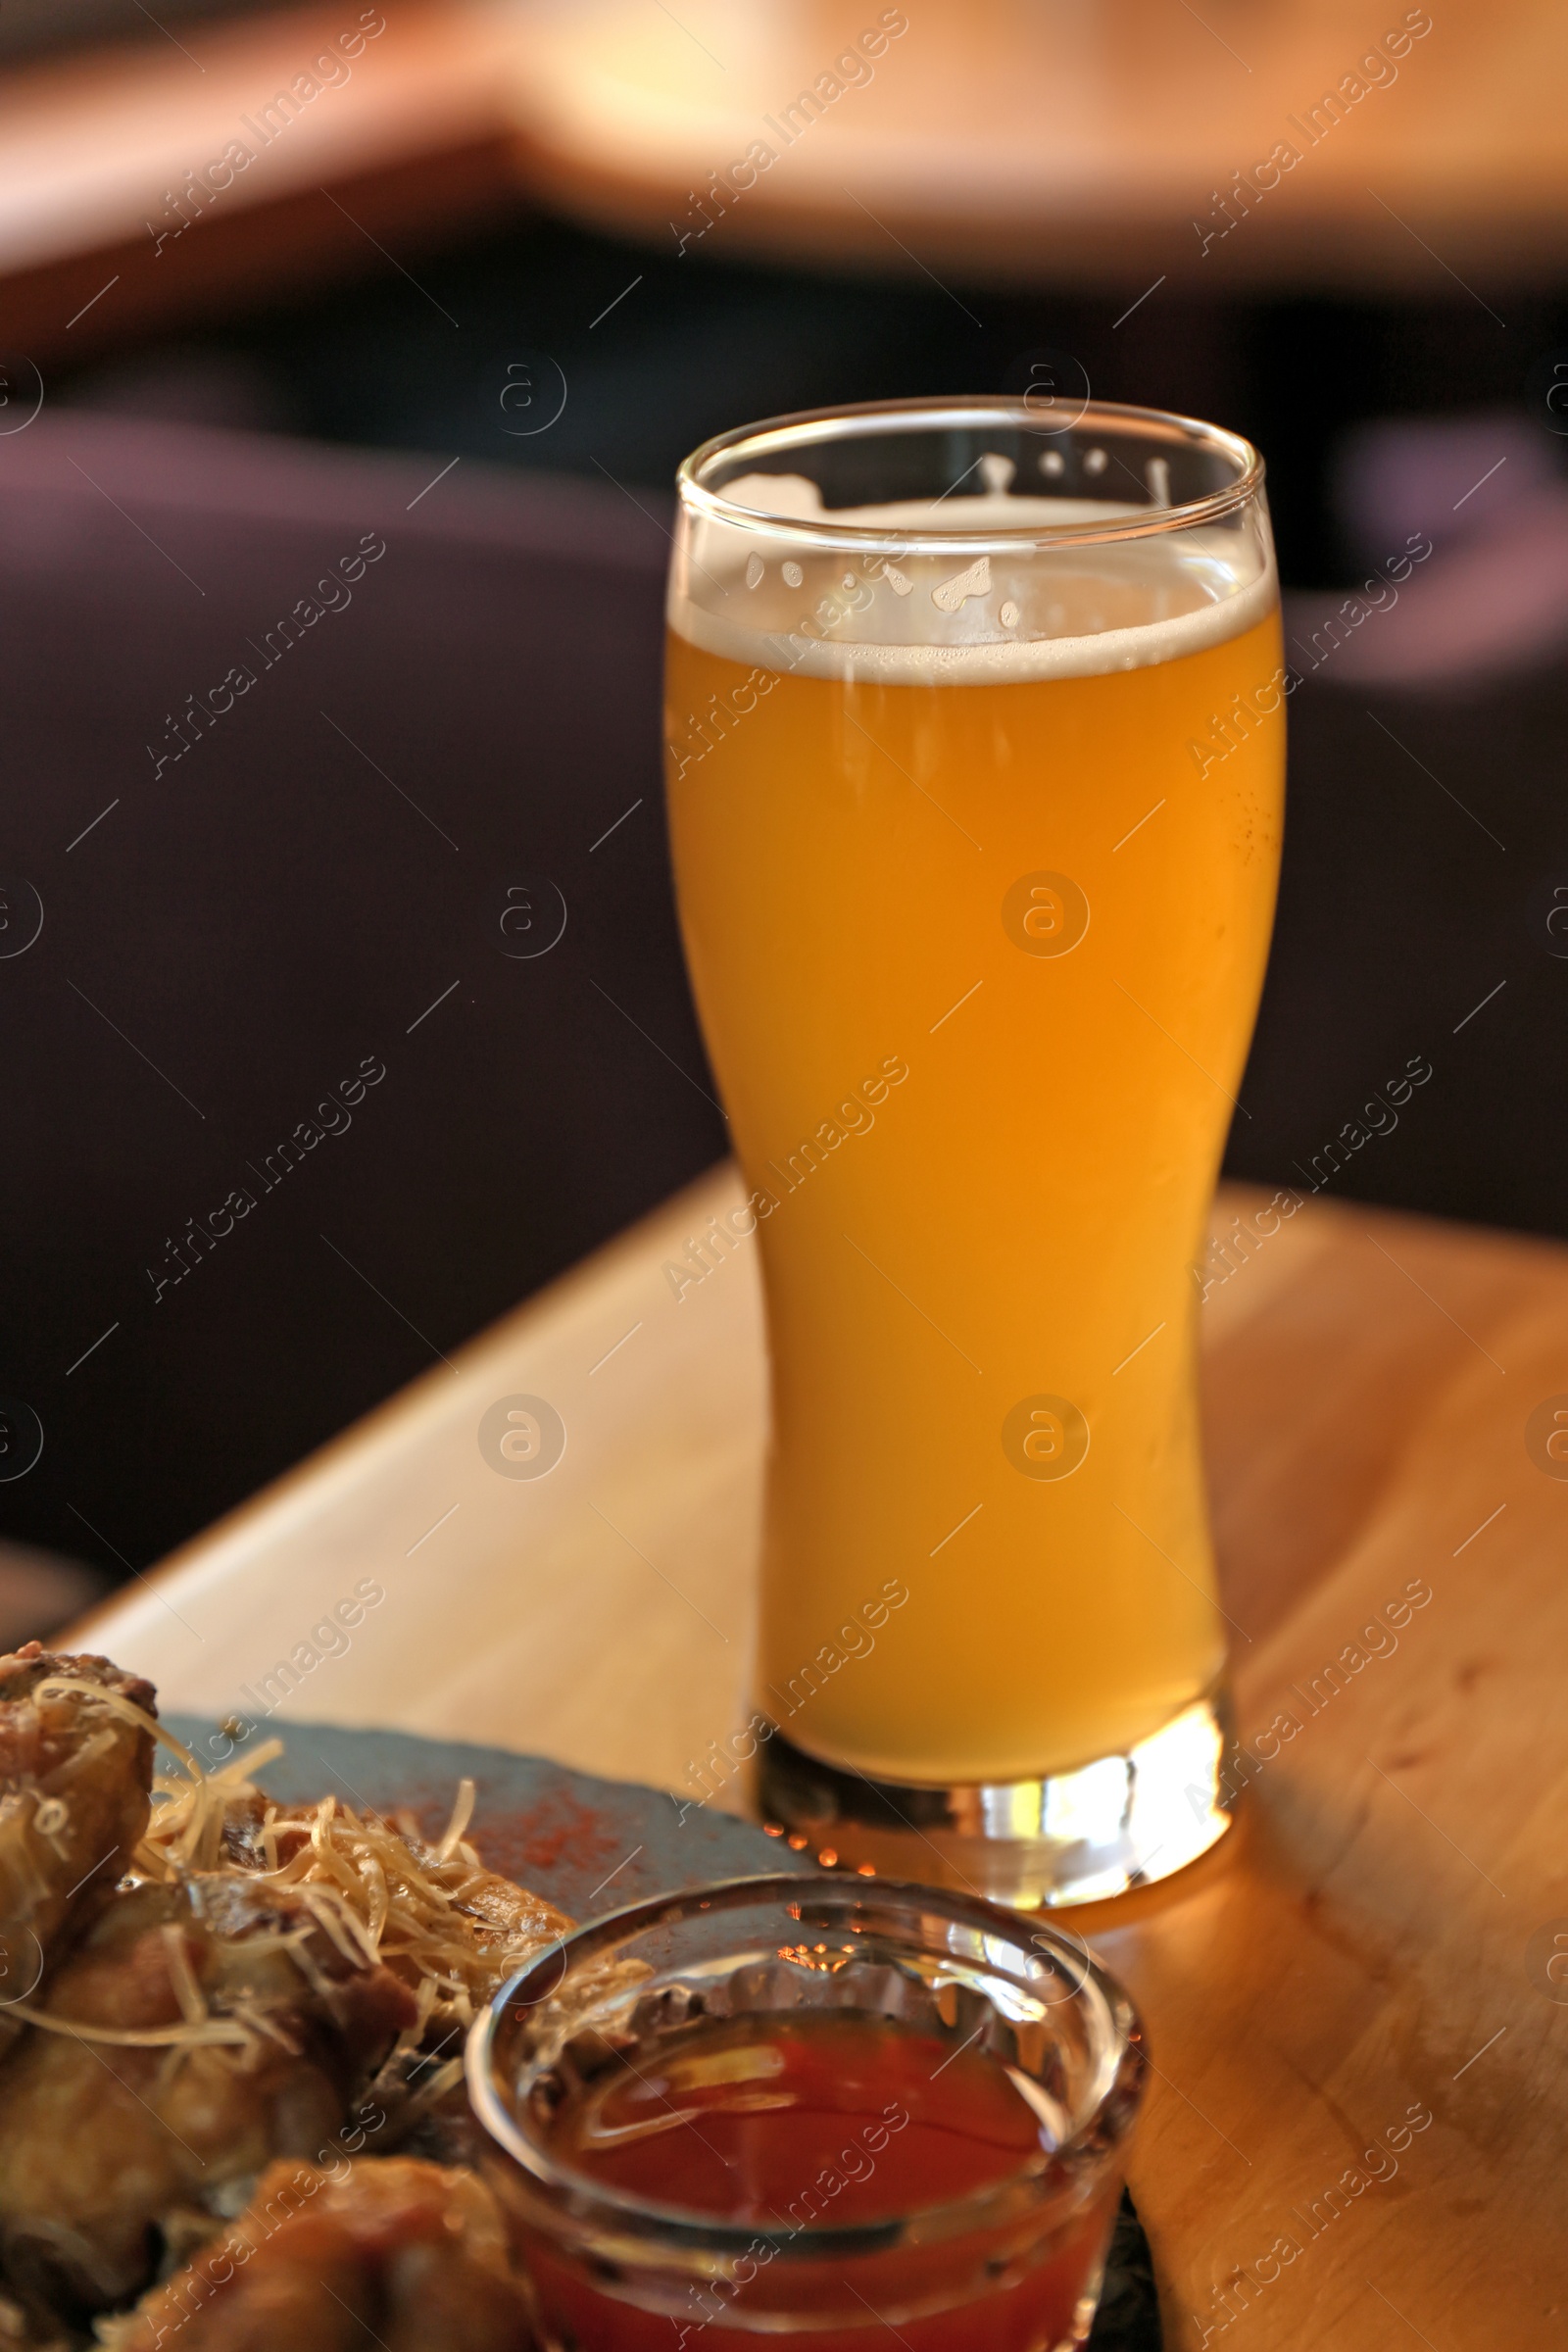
388, 2251
75, 1773
199, 2030
267, 1984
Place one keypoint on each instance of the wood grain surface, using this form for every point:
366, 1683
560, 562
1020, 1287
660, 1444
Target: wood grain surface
405, 138
1357, 2135
1058, 143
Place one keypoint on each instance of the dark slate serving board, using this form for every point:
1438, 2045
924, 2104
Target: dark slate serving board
592, 1846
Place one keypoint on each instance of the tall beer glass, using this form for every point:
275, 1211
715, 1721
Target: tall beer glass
975, 745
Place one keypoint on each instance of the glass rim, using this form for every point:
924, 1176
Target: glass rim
688, 2226
860, 421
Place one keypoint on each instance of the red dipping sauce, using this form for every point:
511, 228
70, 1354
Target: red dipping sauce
785, 2119
826, 2140
790, 2122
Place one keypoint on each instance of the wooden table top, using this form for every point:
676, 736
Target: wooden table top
1056, 143
1053, 142
1357, 2111
101, 237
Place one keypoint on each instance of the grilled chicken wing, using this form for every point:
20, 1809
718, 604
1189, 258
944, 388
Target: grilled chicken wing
199, 2030
408, 2255
75, 1771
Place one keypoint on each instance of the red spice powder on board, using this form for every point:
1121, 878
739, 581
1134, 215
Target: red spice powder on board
559, 1833
537, 1844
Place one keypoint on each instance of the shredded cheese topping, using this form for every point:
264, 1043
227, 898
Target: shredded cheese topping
376, 1891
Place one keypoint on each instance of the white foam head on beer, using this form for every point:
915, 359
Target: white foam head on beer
1001, 606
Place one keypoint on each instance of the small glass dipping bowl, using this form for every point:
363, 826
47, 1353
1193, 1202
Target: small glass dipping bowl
840, 2252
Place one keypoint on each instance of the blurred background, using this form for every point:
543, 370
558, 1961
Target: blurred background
346, 355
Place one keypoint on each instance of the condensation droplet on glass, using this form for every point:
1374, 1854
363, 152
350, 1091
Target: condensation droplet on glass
753, 570
793, 574
997, 473
1053, 461
1009, 614
1095, 461
848, 580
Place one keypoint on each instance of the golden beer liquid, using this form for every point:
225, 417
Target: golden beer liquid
1016, 1217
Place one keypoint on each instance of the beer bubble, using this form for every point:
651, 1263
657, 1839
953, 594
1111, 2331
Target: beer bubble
1045, 914
1009, 614
21, 916
1546, 1435
530, 918
20, 1438
793, 574
1044, 1437
522, 1436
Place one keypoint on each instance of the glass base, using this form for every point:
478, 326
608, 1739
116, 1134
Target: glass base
1121, 1822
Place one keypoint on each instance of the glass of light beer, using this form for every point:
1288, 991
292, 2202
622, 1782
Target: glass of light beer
975, 744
